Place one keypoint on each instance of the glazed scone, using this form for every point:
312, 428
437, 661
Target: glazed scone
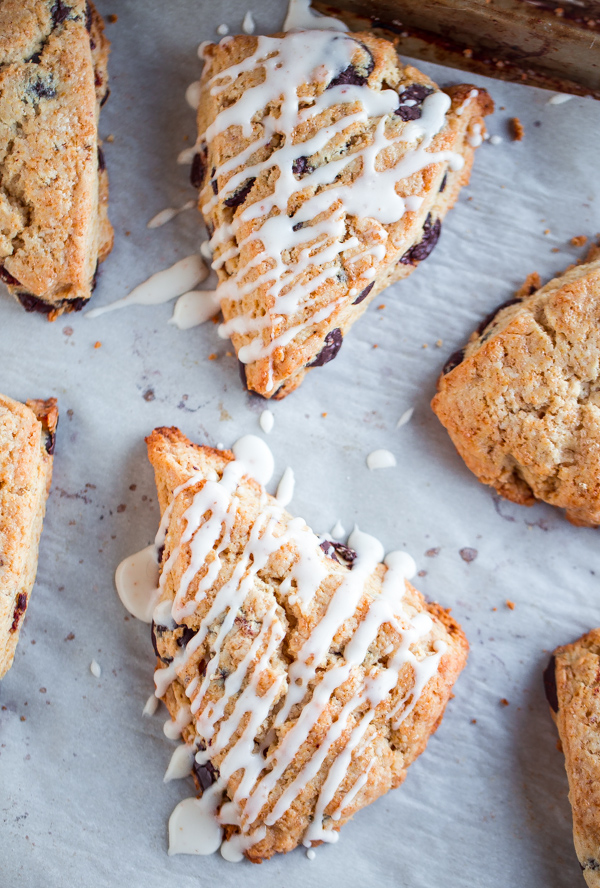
26, 453
572, 682
54, 227
325, 168
522, 400
304, 675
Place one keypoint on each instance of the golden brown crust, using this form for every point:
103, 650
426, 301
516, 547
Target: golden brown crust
437, 183
523, 405
577, 693
54, 227
389, 747
26, 446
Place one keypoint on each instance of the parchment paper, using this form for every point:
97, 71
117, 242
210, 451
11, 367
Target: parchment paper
81, 794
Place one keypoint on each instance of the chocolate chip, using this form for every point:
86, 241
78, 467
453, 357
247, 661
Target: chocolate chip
345, 553
301, 167
215, 186
51, 439
550, 684
355, 75
333, 343
43, 89
101, 161
104, 98
416, 93
7, 277
206, 775
491, 316
364, 293
35, 58
453, 361
420, 251
160, 553
444, 183
591, 864
239, 196
19, 610
328, 547
298, 226
33, 303
198, 169
77, 303
185, 636
59, 12
158, 629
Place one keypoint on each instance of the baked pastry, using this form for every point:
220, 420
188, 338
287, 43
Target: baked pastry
306, 675
54, 227
572, 682
26, 449
522, 400
325, 168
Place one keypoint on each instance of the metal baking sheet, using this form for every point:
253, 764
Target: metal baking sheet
81, 794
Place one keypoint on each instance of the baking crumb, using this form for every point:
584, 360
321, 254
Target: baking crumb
112, 18
127, 233
110, 138
559, 11
375, 346
431, 553
467, 554
504, 701
473, 721
579, 241
381, 306
439, 343
228, 354
42, 690
422, 573
98, 344
23, 718
70, 636
518, 130
494, 609
68, 331
324, 414
546, 231
424, 345
510, 604
212, 357
468, 53
216, 319
555, 250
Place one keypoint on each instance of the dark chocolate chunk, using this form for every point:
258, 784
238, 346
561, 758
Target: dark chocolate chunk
33, 303
19, 610
416, 93
7, 277
591, 864
333, 343
298, 226
35, 58
444, 183
302, 167
453, 361
104, 98
364, 293
51, 439
43, 89
355, 75
242, 369
329, 549
215, 186
59, 12
198, 169
157, 629
420, 251
101, 161
239, 196
550, 684
206, 774
77, 303
345, 553
160, 553
88, 17
185, 636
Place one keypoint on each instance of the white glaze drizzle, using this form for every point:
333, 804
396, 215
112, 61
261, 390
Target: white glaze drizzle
337, 531
248, 25
169, 213
95, 669
292, 282
194, 308
192, 94
406, 417
381, 459
222, 30
285, 488
301, 17
195, 825
162, 286
181, 763
150, 706
267, 420
136, 579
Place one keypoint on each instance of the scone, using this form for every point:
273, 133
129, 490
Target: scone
305, 676
54, 227
325, 168
572, 682
522, 400
26, 449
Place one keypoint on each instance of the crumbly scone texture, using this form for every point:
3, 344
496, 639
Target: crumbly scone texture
389, 750
54, 227
387, 252
522, 406
573, 690
26, 454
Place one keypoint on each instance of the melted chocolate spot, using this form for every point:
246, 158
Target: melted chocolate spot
59, 12
185, 636
104, 98
77, 303
329, 549
416, 93
206, 774
198, 170
101, 160
88, 17
158, 629
239, 196
453, 361
333, 343
32, 303
591, 864
420, 251
35, 58
7, 277
242, 369
364, 293
43, 89
160, 553
353, 73
94, 282
20, 607
51, 439
301, 167
550, 684
215, 186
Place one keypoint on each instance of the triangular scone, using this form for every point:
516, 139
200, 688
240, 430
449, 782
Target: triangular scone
26, 448
572, 682
522, 400
325, 168
54, 227
313, 685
